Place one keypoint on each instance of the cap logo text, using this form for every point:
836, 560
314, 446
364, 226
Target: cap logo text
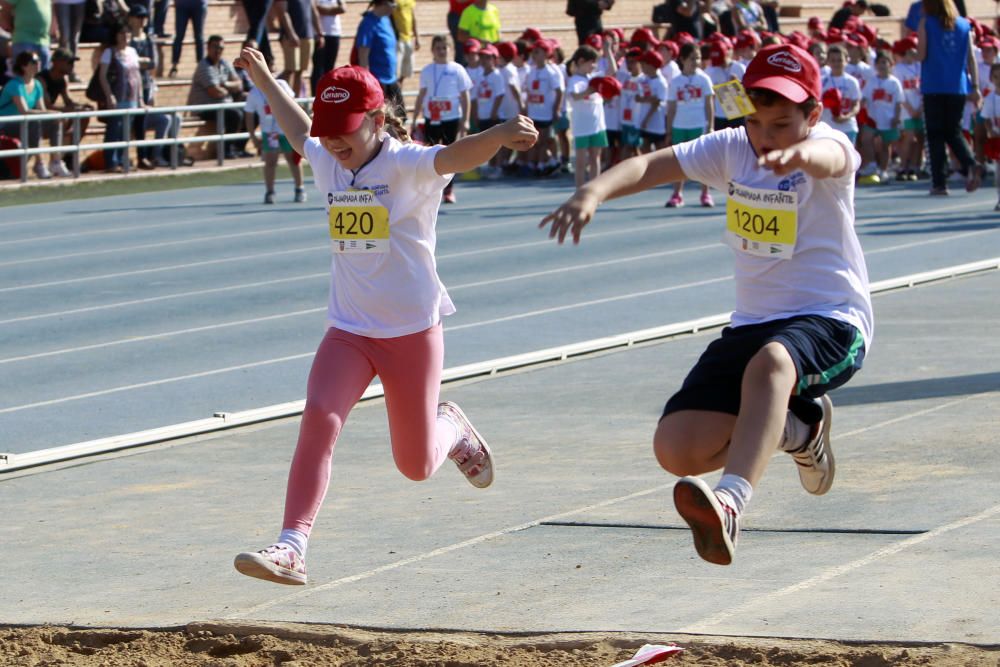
335, 95
785, 61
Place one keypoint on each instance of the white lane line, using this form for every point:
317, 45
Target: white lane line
915, 244
395, 565
705, 624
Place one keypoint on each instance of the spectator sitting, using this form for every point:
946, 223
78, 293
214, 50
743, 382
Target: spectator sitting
23, 95
30, 22
375, 41
159, 123
55, 82
216, 81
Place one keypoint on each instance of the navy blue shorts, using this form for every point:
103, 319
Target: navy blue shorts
826, 353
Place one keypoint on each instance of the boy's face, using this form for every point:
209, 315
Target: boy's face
539, 56
882, 67
995, 79
647, 69
779, 126
693, 61
989, 55
819, 53
835, 60
487, 63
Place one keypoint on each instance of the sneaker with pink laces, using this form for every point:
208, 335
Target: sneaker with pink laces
675, 201
471, 453
278, 563
706, 200
714, 524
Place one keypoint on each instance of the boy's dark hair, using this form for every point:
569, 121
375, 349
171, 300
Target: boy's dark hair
587, 54
522, 48
686, 50
22, 61
883, 55
212, 39
836, 48
764, 97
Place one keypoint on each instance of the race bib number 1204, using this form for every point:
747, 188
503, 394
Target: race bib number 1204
359, 223
762, 222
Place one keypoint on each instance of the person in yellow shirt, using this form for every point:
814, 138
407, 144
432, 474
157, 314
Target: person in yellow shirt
481, 20
404, 18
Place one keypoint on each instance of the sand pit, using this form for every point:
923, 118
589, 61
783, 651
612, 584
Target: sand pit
291, 645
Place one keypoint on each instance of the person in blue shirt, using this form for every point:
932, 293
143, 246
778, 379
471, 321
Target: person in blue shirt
948, 77
24, 95
376, 49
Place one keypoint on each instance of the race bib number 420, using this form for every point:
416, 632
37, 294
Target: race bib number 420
762, 222
359, 223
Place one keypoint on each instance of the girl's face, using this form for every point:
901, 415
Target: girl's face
819, 53
354, 149
666, 54
882, 67
647, 69
487, 62
539, 56
692, 62
585, 67
995, 79
835, 60
989, 55
121, 39
633, 66
439, 50
472, 59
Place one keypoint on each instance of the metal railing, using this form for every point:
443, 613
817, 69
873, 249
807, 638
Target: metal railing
219, 138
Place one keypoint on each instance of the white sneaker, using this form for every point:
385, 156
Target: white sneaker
815, 458
471, 453
278, 563
59, 169
41, 171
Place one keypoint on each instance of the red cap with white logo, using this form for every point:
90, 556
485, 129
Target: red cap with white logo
343, 97
785, 69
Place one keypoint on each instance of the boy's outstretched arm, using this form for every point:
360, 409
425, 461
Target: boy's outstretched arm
627, 177
820, 158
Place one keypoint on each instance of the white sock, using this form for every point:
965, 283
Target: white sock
446, 433
735, 490
296, 539
796, 433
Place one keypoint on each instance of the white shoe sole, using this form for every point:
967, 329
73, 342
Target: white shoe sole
482, 480
698, 506
254, 565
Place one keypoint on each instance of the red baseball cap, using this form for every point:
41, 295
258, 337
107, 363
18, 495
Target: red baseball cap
717, 53
531, 35
472, 45
507, 50
670, 46
652, 58
746, 38
634, 52
344, 96
684, 38
607, 86
643, 36
595, 41
489, 50
815, 23
785, 69
988, 42
834, 36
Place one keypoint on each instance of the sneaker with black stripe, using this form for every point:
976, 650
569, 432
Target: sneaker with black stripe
815, 458
714, 524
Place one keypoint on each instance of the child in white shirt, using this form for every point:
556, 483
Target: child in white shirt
911, 141
272, 142
991, 119
883, 98
690, 112
587, 115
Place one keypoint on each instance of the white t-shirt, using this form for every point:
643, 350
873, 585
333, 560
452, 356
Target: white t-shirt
991, 110
613, 107
522, 77
881, 98
850, 92
330, 25
475, 74
909, 77
491, 87
587, 114
670, 70
719, 75
863, 72
510, 106
540, 87
257, 103
690, 93
827, 274
384, 295
443, 86
652, 86
630, 89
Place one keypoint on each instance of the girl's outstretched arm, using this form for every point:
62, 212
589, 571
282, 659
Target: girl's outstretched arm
471, 151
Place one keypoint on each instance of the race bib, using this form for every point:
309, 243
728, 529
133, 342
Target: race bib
439, 106
359, 223
734, 100
761, 222
534, 98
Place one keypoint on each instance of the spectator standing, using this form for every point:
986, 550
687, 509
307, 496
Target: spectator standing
587, 17
945, 47
121, 81
455, 9
851, 8
325, 56
749, 15
685, 16
404, 18
216, 81
160, 18
193, 12
300, 30
23, 95
160, 123
69, 18
30, 22
480, 20
375, 41
55, 81
257, 12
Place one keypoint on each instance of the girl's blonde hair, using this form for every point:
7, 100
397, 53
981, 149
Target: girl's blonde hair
394, 125
944, 10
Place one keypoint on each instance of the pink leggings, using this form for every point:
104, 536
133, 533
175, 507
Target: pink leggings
410, 370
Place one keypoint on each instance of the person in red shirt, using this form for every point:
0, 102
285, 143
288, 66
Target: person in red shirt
455, 9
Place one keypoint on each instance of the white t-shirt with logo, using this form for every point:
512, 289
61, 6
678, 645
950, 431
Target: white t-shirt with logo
587, 114
991, 112
881, 98
630, 90
397, 293
444, 85
909, 77
670, 70
475, 74
719, 74
613, 106
690, 93
863, 72
827, 274
850, 92
541, 87
510, 106
257, 103
490, 88
652, 86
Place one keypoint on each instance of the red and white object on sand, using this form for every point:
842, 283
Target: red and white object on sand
650, 654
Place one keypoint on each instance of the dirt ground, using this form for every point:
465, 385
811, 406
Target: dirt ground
292, 645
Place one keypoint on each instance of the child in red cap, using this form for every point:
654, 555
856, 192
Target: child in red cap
544, 88
690, 112
651, 102
911, 141
386, 300
723, 68
803, 317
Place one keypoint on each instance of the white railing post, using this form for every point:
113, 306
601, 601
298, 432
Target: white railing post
24, 147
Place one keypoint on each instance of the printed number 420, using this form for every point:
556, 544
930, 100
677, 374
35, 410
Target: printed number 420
755, 223
350, 223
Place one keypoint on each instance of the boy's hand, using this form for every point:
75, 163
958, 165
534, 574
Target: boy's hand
252, 61
572, 216
518, 133
784, 161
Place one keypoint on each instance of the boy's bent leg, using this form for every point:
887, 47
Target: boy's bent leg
693, 442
